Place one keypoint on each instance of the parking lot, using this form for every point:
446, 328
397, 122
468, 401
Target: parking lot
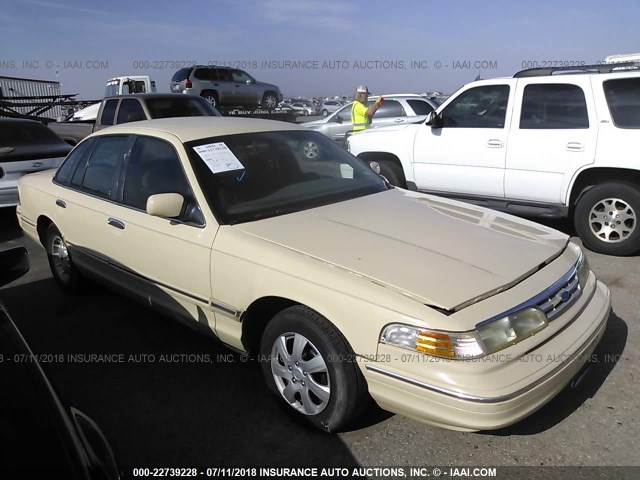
167, 395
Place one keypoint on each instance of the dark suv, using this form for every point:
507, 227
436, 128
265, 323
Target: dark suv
224, 86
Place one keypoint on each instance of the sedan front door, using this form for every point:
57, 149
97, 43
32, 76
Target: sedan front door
165, 260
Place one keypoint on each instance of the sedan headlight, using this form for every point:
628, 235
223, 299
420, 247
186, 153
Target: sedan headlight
486, 339
583, 270
511, 329
440, 344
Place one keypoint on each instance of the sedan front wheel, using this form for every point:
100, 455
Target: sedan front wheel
310, 366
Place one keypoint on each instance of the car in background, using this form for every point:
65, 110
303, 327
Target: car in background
330, 106
397, 109
225, 86
26, 146
303, 108
39, 432
132, 108
342, 285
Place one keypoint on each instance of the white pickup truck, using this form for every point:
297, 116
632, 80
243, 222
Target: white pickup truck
547, 142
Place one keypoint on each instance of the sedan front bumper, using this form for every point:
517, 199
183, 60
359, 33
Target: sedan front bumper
456, 409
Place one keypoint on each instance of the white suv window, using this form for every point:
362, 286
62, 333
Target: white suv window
623, 98
553, 106
479, 107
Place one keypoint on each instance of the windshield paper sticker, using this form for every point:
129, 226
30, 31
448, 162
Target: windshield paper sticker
218, 157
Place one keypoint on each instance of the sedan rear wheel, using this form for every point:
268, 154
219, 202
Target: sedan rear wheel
311, 368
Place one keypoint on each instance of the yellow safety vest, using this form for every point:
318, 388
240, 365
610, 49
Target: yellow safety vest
359, 117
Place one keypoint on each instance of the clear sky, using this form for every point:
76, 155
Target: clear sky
338, 44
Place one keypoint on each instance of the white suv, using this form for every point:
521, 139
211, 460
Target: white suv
548, 142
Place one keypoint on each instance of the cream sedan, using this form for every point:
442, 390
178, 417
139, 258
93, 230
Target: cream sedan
341, 285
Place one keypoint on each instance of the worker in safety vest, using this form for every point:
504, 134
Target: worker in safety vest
360, 114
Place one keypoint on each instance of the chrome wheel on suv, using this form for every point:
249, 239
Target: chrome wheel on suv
269, 101
606, 219
211, 97
311, 150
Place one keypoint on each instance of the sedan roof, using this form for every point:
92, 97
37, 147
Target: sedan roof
195, 128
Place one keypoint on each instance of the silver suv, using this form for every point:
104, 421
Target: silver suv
330, 106
396, 109
225, 86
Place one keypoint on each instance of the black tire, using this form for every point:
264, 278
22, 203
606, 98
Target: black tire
325, 113
269, 101
337, 375
617, 234
393, 173
211, 97
64, 272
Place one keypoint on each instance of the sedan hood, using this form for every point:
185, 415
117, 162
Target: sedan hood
439, 252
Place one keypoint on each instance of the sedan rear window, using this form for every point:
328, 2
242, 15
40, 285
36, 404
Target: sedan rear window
180, 106
27, 133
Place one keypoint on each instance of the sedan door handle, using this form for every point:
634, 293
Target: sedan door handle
399, 120
61, 203
495, 143
575, 147
5, 150
116, 223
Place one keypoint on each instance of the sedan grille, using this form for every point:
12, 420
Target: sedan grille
561, 298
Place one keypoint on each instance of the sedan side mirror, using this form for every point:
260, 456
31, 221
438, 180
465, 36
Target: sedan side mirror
165, 205
337, 119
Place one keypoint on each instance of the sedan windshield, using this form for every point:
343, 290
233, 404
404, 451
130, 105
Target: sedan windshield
252, 176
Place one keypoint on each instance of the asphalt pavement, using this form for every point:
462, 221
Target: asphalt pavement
167, 395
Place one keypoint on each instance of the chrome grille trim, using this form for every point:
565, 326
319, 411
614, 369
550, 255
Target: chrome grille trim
546, 295
562, 298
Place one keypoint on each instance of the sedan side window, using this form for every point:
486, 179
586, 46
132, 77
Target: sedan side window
97, 174
130, 111
153, 167
390, 108
109, 112
479, 107
67, 168
345, 113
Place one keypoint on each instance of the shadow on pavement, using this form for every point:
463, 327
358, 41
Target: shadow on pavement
163, 394
9, 228
607, 354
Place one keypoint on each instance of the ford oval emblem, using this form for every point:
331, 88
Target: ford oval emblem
565, 295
